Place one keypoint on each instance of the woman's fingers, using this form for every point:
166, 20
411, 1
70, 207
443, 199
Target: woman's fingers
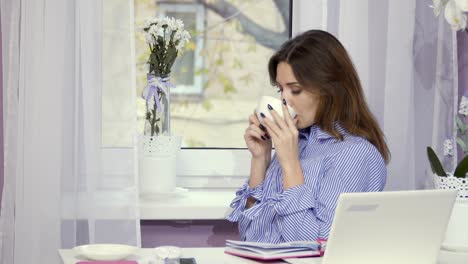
253, 119
257, 129
249, 132
287, 116
279, 121
272, 128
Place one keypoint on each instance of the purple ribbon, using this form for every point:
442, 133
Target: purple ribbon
155, 84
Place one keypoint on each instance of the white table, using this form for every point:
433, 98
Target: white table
202, 256
208, 255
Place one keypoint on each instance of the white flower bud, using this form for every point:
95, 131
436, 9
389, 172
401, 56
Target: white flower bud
448, 147
455, 16
463, 108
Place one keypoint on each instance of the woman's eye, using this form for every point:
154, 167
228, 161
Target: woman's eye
296, 92
279, 91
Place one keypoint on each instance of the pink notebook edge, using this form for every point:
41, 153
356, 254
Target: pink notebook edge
107, 262
299, 255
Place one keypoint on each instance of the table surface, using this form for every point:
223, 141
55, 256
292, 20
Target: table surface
207, 255
202, 256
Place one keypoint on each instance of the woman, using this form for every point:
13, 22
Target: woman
333, 145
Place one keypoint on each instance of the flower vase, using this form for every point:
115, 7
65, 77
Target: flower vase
157, 95
456, 235
157, 164
158, 148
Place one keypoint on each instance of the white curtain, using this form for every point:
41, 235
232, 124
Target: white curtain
406, 59
58, 191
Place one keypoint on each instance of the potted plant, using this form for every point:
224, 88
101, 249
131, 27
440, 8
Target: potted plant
165, 38
456, 238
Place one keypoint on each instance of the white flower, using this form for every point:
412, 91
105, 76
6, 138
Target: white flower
438, 5
149, 39
179, 24
448, 147
147, 22
181, 38
171, 24
157, 30
462, 4
455, 16
164, 21
463, 109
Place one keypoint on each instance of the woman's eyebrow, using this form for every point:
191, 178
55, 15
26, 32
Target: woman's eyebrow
289, 83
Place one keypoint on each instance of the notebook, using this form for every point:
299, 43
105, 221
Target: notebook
268, 251
404, 227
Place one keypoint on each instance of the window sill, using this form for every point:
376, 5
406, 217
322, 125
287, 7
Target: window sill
195, 204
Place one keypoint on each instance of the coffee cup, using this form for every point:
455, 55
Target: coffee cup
277, 104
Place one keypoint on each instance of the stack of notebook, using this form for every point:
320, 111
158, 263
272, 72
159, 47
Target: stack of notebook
267, 251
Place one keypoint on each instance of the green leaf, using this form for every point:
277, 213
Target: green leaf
219, 62
436, 166
207, 105
462, 168
237, 64
460, 125
461, 144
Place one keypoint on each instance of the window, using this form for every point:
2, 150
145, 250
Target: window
223, 71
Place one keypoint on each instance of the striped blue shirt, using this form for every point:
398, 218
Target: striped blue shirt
305, 212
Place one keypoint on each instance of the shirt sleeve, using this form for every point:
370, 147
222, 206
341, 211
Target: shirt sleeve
240, 201
307, 213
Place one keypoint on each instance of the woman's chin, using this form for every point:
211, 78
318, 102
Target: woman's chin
298, 122
301, 124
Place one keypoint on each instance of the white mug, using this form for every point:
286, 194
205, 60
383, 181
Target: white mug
277, 104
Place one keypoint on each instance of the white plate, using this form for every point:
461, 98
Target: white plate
105, 252
176, 191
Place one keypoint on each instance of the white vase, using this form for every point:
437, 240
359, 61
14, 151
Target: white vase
157, 164
456, 236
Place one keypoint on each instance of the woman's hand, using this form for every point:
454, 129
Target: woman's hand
259, 144
285, 137
257, 140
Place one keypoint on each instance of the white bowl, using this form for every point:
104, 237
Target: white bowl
167, 253
105, 252
277, 104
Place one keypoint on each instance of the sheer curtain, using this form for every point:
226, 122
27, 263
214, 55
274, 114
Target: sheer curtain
406, 59
58, 193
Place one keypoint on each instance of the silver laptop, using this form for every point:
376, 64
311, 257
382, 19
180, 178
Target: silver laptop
404, 227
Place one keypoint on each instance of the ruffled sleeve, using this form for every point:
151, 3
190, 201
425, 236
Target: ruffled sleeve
238, 204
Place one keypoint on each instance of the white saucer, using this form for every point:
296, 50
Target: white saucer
105, 252
175, 192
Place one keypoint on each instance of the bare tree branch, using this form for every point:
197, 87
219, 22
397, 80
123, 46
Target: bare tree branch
283, 8
263, 36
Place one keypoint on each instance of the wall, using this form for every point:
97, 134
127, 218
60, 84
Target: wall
199, 233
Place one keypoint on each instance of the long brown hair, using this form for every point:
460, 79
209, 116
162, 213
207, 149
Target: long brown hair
319, 60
